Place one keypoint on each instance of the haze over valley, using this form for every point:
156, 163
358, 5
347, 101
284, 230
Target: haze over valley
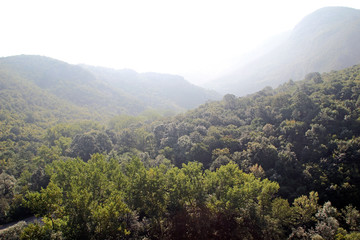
325, 40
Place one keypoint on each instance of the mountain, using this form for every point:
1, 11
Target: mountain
24, 99
100, 92
155, 89
323, 41
270, 159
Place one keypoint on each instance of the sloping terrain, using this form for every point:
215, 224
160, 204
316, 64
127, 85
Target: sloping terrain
102, 92
284, 161
323, 41
155, 89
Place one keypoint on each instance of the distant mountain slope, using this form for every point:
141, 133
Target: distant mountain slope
325, 40
72, 84
102, 93
26, 109
155, 89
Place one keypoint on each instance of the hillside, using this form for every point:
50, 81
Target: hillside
277, 164
104, 93
160, 91
323, 41
302, 132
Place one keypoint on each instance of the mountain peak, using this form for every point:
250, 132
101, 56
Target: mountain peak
325, 18
325, 40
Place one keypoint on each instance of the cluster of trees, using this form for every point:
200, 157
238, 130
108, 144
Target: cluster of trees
107, 198
276, 164
303, 135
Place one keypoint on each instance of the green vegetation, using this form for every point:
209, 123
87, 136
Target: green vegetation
278, 164
102, 93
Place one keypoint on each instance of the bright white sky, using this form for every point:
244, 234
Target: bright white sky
197, 39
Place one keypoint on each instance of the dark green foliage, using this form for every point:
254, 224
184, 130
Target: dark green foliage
7, 191
86, 144
305, 132
265, 166
104, 199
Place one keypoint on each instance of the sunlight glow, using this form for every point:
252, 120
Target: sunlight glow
196, 39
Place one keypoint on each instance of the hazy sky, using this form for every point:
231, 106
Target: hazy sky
197, 39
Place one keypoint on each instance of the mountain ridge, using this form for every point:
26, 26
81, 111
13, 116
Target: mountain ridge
94, 91
324, 40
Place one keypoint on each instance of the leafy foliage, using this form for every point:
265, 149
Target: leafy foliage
274, 165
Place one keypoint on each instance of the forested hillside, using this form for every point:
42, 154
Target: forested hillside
278, 164
325, 40
160, 91
102, 92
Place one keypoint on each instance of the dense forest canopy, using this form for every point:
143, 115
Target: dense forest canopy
278, 164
